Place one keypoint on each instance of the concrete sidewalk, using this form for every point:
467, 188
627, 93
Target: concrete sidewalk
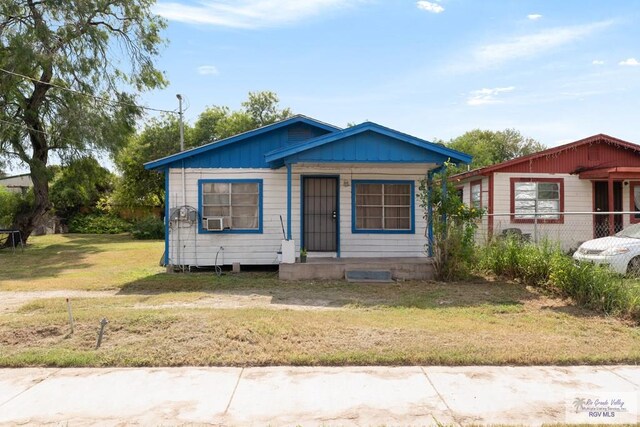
327, 396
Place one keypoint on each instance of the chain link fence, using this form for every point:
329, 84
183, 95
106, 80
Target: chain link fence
611, 238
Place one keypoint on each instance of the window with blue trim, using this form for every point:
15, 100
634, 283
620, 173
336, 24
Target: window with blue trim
237, 203
383, 206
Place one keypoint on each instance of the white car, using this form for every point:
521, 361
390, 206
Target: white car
621, 252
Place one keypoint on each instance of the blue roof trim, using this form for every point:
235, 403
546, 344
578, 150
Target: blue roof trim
156, 164
279, 155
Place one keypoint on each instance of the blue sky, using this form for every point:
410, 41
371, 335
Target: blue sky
556, 70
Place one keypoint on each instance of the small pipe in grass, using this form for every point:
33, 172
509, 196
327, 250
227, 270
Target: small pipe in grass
103, 323
70, 315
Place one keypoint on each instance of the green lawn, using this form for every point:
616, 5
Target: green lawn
248, 319
79, 261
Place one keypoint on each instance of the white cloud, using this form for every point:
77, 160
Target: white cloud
631, 62
208, 70
534, 16
247, 13
597, 62
487, 96
430, 6
531, 45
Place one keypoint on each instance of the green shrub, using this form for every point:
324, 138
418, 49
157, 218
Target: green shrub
148, 228
8, 207
454, 225
98, 224
547, 266
13, 205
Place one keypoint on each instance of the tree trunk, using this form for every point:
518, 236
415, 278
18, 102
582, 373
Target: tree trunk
28, 221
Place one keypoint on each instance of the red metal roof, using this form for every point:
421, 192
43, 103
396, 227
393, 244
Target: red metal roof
595, 152
615, 172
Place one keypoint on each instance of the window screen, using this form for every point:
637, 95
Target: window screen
236, 202
382, 206
476, 195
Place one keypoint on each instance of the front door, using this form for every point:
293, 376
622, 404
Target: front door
601, 204
320, 214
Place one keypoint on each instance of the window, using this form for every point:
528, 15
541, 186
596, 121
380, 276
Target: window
382, 206
237, 202
476, 194
635, 201
539, 195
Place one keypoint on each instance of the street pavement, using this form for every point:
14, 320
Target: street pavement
329, 396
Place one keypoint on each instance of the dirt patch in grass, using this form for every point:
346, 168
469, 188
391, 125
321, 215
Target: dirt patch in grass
12, 301
393, 324
250, 319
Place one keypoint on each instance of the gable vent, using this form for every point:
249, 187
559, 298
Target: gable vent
299, 133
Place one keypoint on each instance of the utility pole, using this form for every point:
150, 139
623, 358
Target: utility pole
184, 178
181, 122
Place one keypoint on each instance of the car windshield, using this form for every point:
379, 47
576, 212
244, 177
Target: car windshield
632, 232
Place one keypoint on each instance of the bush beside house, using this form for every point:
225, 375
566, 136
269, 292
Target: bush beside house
148, 228
543, 265
98, 224
547, 267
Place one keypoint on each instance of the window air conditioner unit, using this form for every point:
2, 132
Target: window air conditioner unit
213, 224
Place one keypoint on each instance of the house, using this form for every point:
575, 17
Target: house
17, 183
571, 193
21, 184
338, 193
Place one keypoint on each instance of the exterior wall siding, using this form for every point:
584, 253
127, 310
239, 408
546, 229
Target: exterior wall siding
187, 246
574, 229
483, 223
578, 197
249, 153
368, 147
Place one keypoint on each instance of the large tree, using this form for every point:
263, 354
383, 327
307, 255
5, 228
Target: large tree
78, 186
260, 109
490, 147
160, 138
69, 71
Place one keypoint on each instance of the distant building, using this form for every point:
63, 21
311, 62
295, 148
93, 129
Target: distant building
17, 183
560, 191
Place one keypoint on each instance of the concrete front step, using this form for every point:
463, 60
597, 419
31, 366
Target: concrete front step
418, 268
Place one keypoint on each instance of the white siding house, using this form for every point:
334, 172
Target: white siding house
568, 194
349, 193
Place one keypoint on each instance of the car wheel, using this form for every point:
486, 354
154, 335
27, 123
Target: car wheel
633, 269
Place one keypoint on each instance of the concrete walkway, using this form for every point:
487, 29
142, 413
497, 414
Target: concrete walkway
321, 396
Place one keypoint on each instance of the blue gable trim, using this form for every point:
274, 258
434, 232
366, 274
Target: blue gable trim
367, 147
367, 142
256, 143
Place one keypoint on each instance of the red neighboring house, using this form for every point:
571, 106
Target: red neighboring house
595, 174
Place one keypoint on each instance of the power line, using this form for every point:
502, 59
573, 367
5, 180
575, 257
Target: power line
98, 98
23, 126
